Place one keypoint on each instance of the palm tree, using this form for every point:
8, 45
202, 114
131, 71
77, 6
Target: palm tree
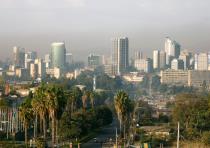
84, 100
124, 108
120, 106
26, 114
39, 106
92, 99
55, 103
52, 107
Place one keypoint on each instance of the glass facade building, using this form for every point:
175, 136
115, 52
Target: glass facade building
58, 55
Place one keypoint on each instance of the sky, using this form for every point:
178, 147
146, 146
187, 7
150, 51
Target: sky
87, 26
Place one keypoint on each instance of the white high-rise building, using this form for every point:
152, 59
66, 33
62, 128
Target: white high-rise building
156, 59
41, 68
29, 58
144, 65
172, 49
120, 49
138, 55
47, 60
202, 61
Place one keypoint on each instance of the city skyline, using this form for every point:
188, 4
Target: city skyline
35, 24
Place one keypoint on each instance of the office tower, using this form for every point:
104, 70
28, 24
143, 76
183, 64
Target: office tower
162, 59
58, 55
192, 63
196, 61
177, 64
156, 59
186, 59
19, 57
30, 57
120, 55
47, 60
144, 65
172, 49
94, 61
41, 68
69, 58
138, 55
33, 70
201, 60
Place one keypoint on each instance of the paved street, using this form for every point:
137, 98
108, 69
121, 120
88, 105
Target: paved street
103, 139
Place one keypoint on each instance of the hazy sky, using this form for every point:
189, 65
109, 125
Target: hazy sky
88, 25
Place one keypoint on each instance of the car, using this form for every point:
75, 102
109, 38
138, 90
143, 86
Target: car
95, 140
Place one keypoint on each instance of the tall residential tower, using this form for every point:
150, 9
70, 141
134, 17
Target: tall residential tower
120, 49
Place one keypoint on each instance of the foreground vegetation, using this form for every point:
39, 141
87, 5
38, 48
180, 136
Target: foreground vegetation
63, 114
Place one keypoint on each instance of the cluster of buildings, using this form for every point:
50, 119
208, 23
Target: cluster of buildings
27, 65
173, 65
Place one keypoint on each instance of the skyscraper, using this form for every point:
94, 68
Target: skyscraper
47, 60
138, 55
94, 61
162, 59
202, 61
120, 54
177, 64
172, 49
19, 57
58, 55
156, 59
69, 58
186, 59
30, 57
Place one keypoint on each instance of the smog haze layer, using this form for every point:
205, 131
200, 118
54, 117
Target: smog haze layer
88, 25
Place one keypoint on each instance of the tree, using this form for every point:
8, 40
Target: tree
191, 111
92, 99
52, 107
55, 104
39, 106
26, 114
85, 98
124, 108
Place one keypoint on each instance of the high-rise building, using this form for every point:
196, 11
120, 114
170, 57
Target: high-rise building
19, 57
177, 64
144, 65
138, 55
69, 58
94, 61
186, 59
172, 49
58, 55
30, 57
47, 60
201, 61
162, 59
33, 70
41, 68
156, 59
120, 47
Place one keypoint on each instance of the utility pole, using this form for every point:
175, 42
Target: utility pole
178, 136
94, 83
116, 137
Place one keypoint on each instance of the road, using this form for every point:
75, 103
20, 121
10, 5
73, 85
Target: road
103, 138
